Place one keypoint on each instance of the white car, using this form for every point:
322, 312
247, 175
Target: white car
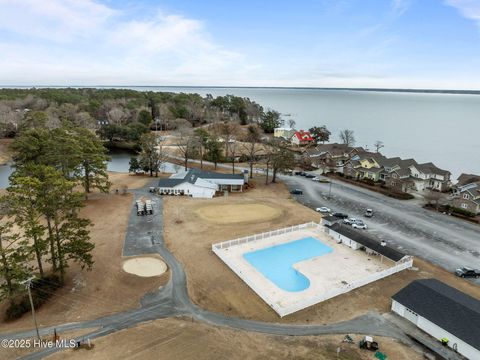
349, 221
359, 224
323, 209
316, 178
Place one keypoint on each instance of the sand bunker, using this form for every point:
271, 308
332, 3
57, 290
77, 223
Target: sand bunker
144, 266
238, 213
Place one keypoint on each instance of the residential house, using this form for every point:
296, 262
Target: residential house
284, 133
331, 157
201, 184
443, 312
428, 176
467, 197
465, 179
302, 138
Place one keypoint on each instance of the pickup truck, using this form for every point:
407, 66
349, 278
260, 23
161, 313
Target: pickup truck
466, 272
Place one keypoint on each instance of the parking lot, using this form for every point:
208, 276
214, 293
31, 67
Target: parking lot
444, 240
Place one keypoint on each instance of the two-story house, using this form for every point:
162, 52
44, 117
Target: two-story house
428, 176
467, 197
332, 157
302, 138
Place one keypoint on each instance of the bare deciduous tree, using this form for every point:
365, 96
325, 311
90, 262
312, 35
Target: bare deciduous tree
346, 137
378, 145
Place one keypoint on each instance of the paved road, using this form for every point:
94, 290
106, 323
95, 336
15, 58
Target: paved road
173, 300
444, 240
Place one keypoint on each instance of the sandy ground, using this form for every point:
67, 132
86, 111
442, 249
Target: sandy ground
238, 213
183, 339
145, 266
106, 289
5, 152
213, 286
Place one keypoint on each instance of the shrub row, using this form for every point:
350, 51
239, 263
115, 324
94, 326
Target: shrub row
42, 290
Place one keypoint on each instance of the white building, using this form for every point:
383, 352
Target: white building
442, 312
200, 184
285, 133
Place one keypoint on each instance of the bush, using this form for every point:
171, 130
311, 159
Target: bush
463, 212
42, 290
368, 182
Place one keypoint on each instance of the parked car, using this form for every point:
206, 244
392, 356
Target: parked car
368, 213
466, 272
316, 178
323, 180
309, 176
340, 215
298, 173
323, 209
302, 173
296, 192
359, 224
349, 221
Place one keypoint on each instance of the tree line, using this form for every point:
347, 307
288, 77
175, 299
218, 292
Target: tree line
41, 231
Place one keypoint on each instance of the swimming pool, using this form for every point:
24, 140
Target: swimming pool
276, 262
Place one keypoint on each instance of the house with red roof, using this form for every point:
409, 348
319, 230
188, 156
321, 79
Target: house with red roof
301, 138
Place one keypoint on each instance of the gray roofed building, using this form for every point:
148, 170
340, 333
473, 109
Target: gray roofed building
443, 312
369, 242
199, 183
465, 179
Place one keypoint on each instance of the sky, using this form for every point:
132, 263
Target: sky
432, 44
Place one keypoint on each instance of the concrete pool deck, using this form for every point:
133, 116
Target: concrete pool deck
330, 274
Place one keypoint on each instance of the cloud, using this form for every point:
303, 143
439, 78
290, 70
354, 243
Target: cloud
399, 7
469, 9
86, 42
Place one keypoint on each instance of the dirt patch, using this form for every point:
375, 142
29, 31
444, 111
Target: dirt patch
144, 266
5, 152
130, 181
213, 286
183, 339
238, 213
106, 289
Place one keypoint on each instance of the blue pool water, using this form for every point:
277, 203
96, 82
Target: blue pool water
276, 262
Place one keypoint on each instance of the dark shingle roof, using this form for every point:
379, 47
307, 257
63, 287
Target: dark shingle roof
166, 183
213, 175
192, 175
465, 179
367, 241
445, 306
430, 168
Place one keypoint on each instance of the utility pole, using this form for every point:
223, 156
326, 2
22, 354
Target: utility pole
28, 285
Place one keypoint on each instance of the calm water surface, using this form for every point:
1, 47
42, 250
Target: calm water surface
442, 128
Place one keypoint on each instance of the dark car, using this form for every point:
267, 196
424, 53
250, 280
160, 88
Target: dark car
310, 176
302, 173
296, 192
298, 172
340, 215
466, 272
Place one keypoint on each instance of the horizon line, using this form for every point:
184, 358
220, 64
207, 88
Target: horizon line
411, 90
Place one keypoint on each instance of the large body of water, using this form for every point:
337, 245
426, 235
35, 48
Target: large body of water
119, 162
442, 128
